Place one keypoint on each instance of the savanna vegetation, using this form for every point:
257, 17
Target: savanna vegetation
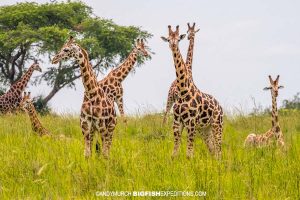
55, 168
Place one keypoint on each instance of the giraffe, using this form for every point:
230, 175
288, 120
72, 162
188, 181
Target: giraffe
10, 101
27, 106
97, 111
112, 83
275, 132
193, 109
173, 93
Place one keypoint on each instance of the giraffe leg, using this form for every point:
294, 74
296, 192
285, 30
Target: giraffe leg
169, 105
280, 140
177, 129
190, 144
107, 137
86, 127
119, 101
217, 130
208, 139
105, 144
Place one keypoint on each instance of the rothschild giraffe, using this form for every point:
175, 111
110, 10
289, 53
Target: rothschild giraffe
193, 109
112, 83
173, 93
27, 105
275, 132
10, 101
97, 111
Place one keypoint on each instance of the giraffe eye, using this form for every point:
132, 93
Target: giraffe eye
66, 50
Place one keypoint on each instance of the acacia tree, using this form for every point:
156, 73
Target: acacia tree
31, 31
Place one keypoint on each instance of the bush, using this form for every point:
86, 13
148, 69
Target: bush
40, 106
292, 104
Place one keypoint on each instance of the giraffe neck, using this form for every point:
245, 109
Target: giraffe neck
275, 122
35, 122
182, 77
189, 57
88, 76
20, 85
123, 70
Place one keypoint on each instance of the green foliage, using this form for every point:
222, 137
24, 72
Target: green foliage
55, 168
2, 91
31, 30
292, 104
40, 105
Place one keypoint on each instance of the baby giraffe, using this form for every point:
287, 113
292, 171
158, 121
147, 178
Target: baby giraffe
275, 132
27, 105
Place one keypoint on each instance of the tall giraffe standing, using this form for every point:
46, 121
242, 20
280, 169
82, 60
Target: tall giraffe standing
112, 83
173, 93
193, 109
10, 101
97, 111
27, 105
275, 132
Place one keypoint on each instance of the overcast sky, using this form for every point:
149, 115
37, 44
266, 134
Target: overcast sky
240, 43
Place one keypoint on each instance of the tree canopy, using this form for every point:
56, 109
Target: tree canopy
31, 31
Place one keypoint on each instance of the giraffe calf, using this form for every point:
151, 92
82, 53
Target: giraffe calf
27, 105
275, 132
255, 140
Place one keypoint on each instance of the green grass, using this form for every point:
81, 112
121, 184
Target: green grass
50, 168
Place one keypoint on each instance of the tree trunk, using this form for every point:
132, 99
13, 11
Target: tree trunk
51, 94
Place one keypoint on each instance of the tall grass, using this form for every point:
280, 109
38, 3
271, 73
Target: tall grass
51, 168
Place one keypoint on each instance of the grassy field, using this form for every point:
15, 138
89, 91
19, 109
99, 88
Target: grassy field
50, 168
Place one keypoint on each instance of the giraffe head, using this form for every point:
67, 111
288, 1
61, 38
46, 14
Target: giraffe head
69, 50
191, 31
26, 101
173, 37
140, 47
36, 66
274, 86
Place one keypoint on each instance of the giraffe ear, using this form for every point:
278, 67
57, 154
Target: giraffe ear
280, 87
267, 88
164, 39
197, 30
182, 36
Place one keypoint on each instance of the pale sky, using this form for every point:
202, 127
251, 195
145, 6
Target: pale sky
240, 43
